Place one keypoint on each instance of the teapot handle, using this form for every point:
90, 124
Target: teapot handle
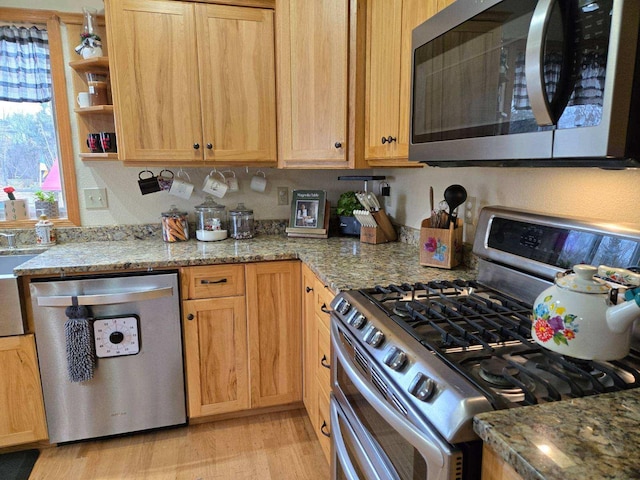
619, 275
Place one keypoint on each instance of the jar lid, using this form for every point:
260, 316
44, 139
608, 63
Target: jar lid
210, 204
173, 212
241, 210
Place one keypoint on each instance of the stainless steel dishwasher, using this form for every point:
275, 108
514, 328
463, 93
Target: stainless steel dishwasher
138, 378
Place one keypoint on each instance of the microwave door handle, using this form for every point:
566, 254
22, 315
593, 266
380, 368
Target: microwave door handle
105, 299
421, 440
534, 63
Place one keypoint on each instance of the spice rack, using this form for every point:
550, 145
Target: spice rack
98, 118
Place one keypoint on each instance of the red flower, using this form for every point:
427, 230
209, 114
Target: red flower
431, 244
9, 191
569, 334
543, 330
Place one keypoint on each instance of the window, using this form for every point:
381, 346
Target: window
35, 137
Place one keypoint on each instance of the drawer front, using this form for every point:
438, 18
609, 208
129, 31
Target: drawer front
213, 281
324, 296
324, 357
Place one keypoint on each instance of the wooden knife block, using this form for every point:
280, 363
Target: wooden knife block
372, 235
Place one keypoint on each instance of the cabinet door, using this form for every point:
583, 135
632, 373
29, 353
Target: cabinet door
273, 314
312, 65
237, 78
388, 87
215, 339
152, 50
22, 418
310, 344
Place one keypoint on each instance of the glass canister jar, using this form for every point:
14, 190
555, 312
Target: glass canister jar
211, 219
241, 222
175, 225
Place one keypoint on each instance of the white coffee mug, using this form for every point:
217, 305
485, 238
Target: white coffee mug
83, 99
259, 182
214, 186
232, 182
181, 188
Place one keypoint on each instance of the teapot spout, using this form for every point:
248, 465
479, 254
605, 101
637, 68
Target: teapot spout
621, 317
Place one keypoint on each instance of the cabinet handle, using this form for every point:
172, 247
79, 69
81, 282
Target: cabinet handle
209, 146
213, 282
337, 145
324, 363
388, 139
324, 427
196, 146
309, 289
325, 309
190, 316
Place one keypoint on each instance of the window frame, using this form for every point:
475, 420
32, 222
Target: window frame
61, 112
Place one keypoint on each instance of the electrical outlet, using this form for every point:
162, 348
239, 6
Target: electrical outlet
470, 211
283, 196
95, 198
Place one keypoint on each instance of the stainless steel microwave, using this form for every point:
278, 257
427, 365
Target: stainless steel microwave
527, 83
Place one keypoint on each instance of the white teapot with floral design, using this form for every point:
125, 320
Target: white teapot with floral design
578, 317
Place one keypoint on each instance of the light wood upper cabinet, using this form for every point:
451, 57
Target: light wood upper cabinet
274, 321
22, 418
317, 76
192, 83
388, 78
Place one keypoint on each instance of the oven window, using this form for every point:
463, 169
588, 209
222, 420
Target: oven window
407, 461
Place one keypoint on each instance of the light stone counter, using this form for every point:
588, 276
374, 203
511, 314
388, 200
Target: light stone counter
587, 438
342, 263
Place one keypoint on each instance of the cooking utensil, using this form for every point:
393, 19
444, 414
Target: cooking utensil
454, 195
373, 201
365, 218
575, 316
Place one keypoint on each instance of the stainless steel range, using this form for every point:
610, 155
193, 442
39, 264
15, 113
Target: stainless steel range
413, 363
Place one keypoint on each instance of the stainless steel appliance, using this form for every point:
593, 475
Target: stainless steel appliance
527, 82
138, 381
413, 363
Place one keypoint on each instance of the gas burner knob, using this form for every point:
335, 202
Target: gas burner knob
422, 387
373, 336
357, 320
342, 307
396, 359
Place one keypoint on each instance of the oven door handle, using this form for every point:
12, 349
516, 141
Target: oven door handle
423, 441
342, 454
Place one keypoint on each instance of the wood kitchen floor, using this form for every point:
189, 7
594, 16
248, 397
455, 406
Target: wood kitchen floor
278, 446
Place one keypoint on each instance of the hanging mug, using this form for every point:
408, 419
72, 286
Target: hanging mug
259, 182
214, 186
148, 184
165, 179
181, 188
232, 182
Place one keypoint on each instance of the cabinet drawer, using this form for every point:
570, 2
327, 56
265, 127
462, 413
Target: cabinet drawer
324, 296
213, 281
324, 422
324, 357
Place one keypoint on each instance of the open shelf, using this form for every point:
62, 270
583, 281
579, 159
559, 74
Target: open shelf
99, 156
94, 65
106, 109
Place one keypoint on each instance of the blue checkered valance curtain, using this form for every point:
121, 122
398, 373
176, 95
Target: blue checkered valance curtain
25, 71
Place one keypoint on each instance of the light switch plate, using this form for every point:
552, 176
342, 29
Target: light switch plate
283, 196
95, 198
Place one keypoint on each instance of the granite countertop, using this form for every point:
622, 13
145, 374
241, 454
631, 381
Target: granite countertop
586, 438
341, 262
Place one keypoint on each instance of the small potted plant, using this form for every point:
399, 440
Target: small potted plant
347, 203
14, 209
46, 204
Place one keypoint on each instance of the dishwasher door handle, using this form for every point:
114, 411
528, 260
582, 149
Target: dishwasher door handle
106, 298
